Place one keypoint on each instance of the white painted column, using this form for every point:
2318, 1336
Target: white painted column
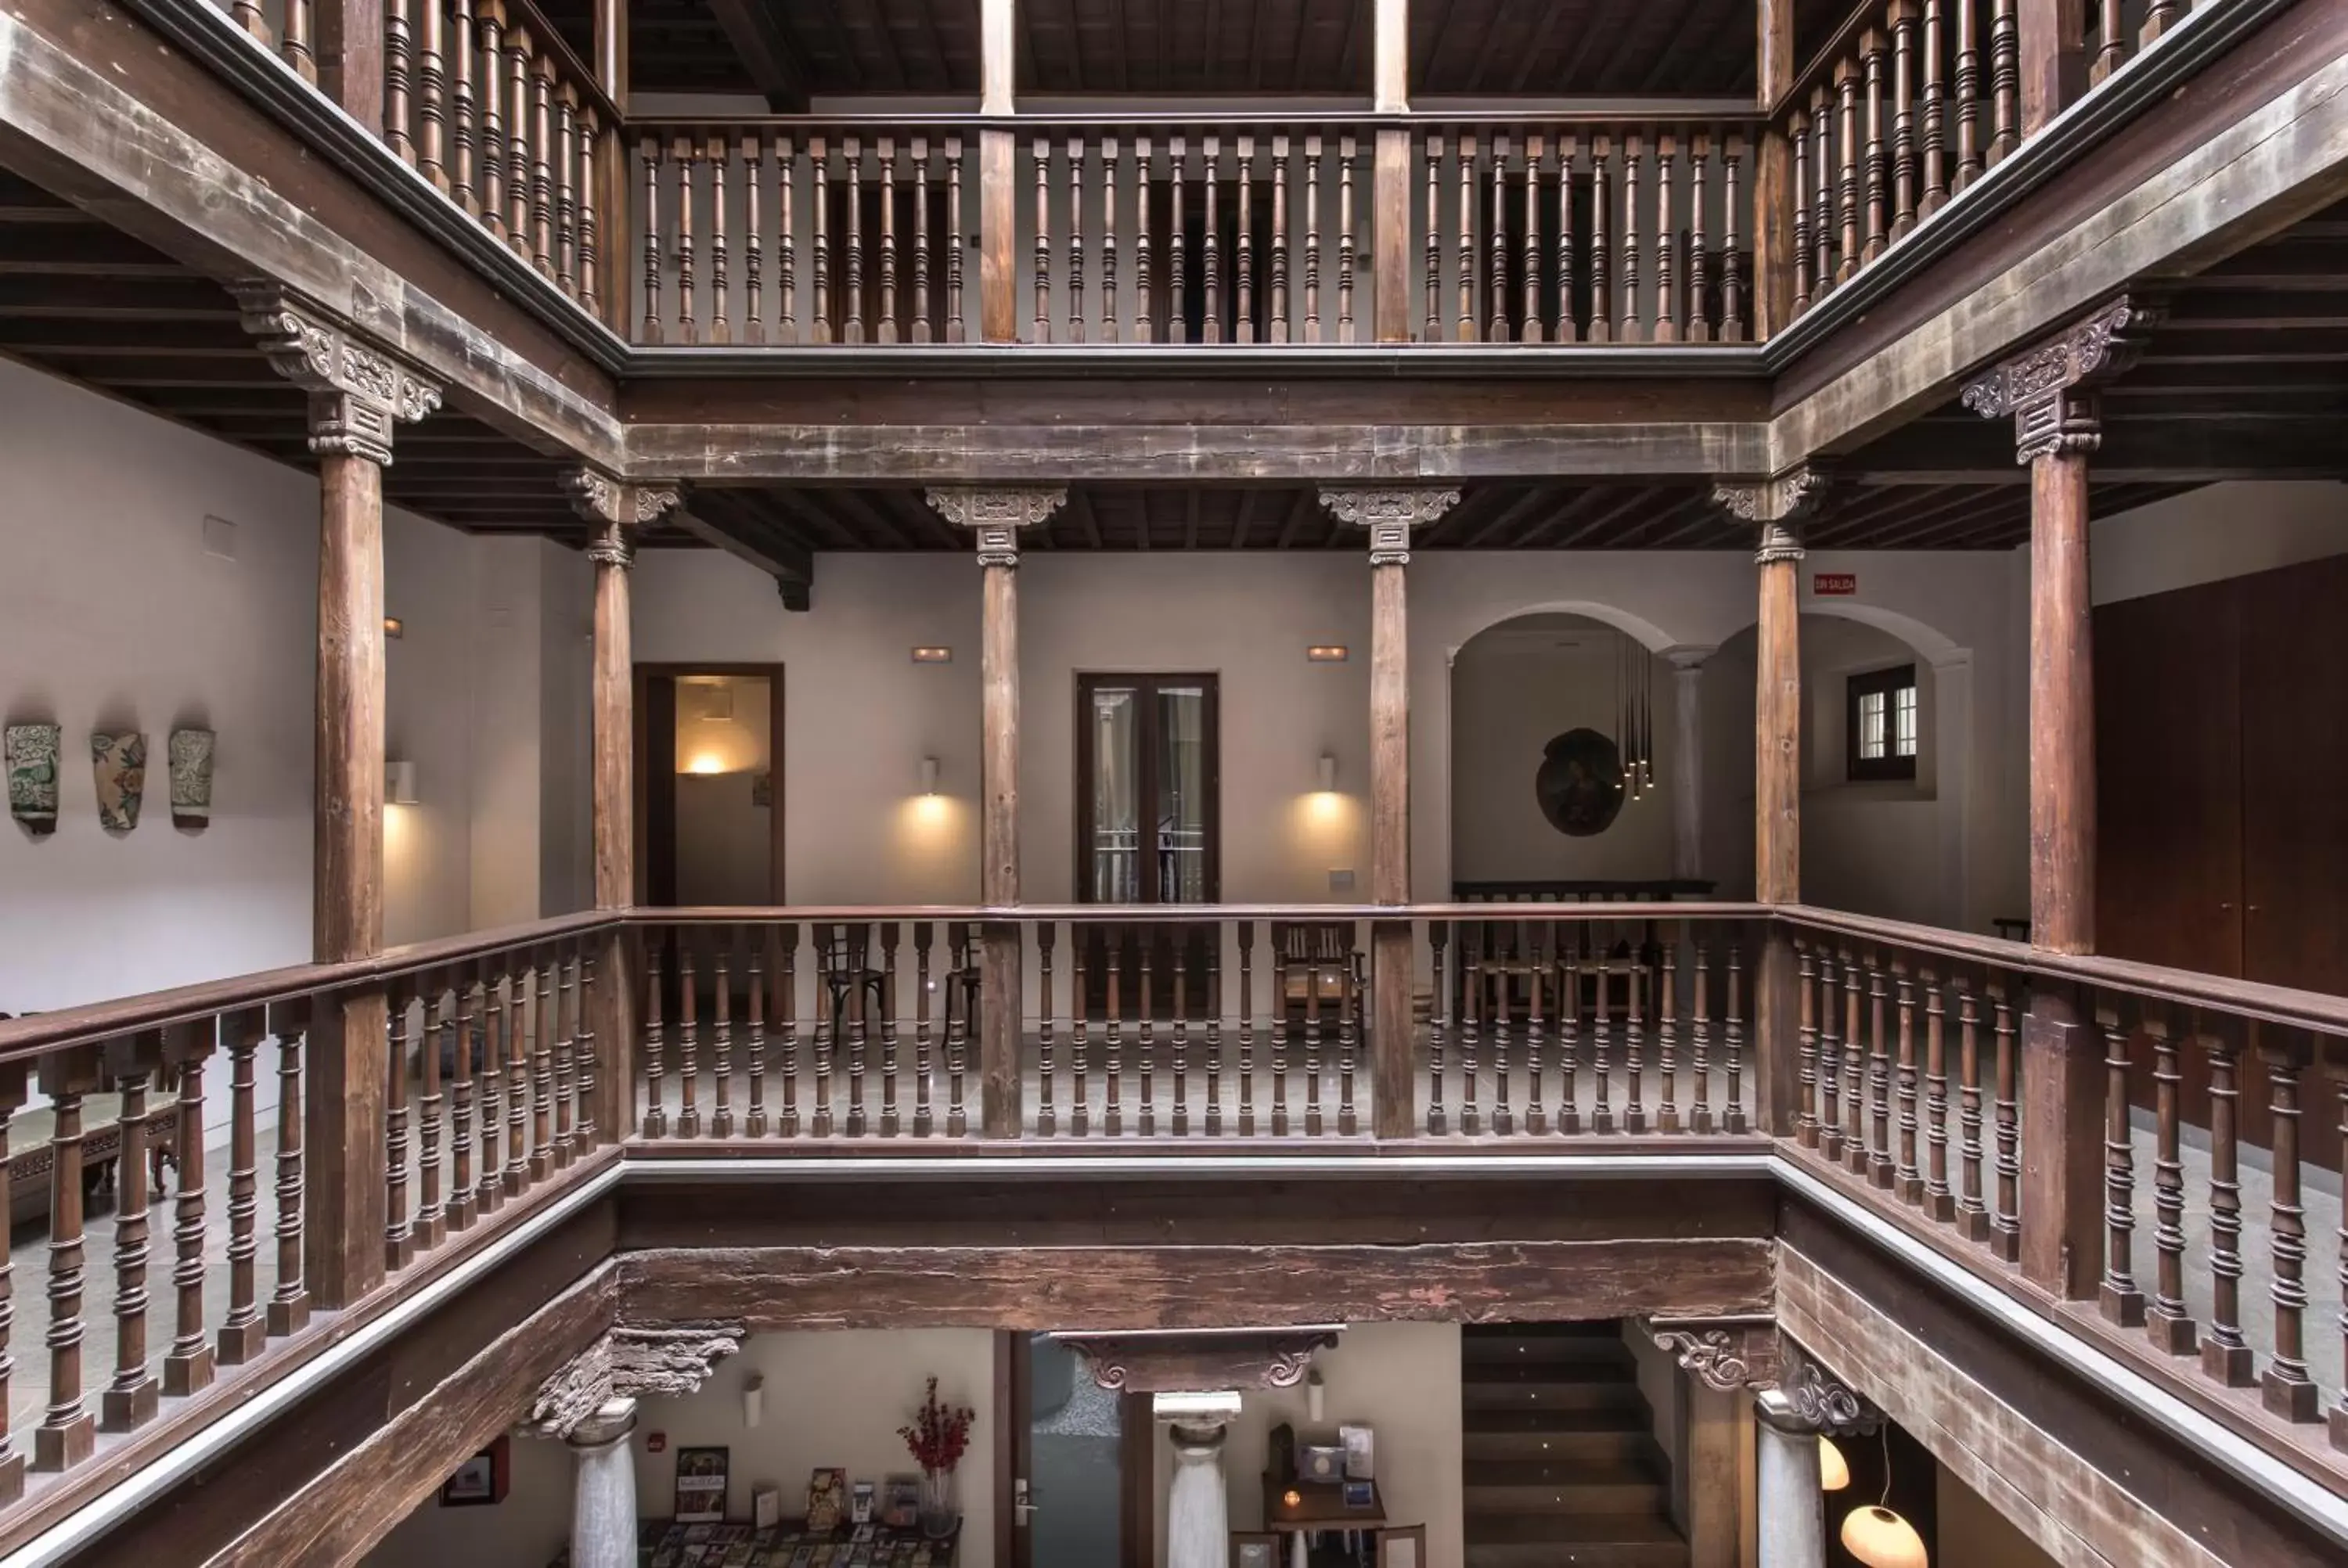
604, 1490
1197, 1507
1687, 762
1793, 1505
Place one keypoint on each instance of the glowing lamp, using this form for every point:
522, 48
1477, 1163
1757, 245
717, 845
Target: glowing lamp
1833, 1470
1881, 1539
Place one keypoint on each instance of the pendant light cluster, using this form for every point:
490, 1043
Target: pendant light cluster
1634, 704
1875, 1535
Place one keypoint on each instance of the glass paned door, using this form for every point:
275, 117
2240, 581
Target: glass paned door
1146, 790
1068, 1495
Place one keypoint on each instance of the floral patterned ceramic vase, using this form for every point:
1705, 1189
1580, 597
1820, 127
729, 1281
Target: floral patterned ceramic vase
120, 762
192, 777
32, 757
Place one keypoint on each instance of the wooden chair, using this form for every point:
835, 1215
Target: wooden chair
1319, 968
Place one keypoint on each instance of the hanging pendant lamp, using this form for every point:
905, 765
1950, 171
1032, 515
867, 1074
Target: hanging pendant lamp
1881, 1539
1833, 1470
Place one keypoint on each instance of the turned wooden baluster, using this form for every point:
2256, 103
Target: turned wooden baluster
1143, 312
858, 950
655, 1122
651, 330
518, 171
1907, 1177
851, 255
496, 1023
1634, 1055
1465, 321
188, 1365
1877, 171
1854, 1064
586, 1077
1529, 266
464, 129
398, 66
2005, 1222
2112, 41
721, 326
1077, 150
431, 91
1179, 982
301, 26
787, 1017
14, 1084
513, 1178
2160, 18
1903, 117
1631, 326
721, 1034
1496, 303
1799, 134
1732, 254
890, 1121
541, 164
1080, 949
1700, 322
2285, 1388
688, 1036
685, 156
132, 1397
754, 961
922, 331
1311, 327
1830, 1060
1807, 1124
1735, 1120
2117, 1297
439, 1038
1247, 1028
1494, 997
891, 306
1177, 160
1878, 1167
1824, 224
1568, 329
951, 241
1112, 1030
461, 1197
1313, 1119
2170, 1323
1700, 1117
1850, 192
1243, 248
2225, 1355
1972, 1210
1438, 1023
1966, 106
1210, 244
1043, 160
566, 1044
67, 1432
1939, 1201
786, 245
491, 21
1432, 330
1279, 1033
398, 1239
958, 1041
2005, 80
1536, 1026
1214, 955
819, 239
1667, 327
1601, 1050
289, 1306
1932, 141
1601, 290
1146, 1116
753, 148
1108, 312
1471, 1006
1046, 1113
1276, 299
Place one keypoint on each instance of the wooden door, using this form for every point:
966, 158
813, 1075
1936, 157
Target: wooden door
2169, 767
2294, 807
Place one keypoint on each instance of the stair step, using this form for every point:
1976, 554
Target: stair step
1635, 1495
1584, 1329
1551, 1395
1628, 1444
1603, 1554
1636, 1469
1528, 1416
1542, 1348
1570, 1530
1589, 1367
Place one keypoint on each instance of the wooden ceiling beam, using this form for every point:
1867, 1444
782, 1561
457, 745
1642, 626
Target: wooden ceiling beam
2135, 450
755, 29
728, 524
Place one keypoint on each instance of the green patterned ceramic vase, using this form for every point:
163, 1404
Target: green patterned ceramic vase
120, 762
190, 753
32, 757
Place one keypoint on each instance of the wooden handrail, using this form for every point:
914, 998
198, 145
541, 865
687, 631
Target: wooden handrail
542, 32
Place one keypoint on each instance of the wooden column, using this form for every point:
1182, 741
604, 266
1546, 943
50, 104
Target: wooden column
1389, 515
1773, 175
995, 516
2051, 38
615, 513
2049, 392
351, 59
998, 176
1391, 241
612, 72
358, 397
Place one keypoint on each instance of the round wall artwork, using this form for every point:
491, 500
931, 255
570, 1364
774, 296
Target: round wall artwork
1580, 785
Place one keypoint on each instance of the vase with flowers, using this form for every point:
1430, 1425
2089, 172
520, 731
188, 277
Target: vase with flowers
936, 1439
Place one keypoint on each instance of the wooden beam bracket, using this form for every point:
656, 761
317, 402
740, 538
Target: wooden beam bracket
1390, 512
996, 513
631, 1362
358, 394
2049, 390
1727, 1354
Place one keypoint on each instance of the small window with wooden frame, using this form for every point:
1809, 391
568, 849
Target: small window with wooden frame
1883, 719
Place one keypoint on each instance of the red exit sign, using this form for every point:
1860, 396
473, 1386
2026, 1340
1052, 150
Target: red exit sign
1834, 584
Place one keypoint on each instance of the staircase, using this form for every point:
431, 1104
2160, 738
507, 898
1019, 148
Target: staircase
1561, 1461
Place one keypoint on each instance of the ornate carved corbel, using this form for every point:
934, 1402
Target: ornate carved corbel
1823, 1402
1777, 507
1725, 1353
630, 1363
358, 394
616, 512
1173, 1360
2050, 391
1390, 512
996, 513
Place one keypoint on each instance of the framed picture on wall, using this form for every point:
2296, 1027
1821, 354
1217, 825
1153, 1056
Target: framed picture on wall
1403, 1546
700, 1485
1250, 1550
480, 1481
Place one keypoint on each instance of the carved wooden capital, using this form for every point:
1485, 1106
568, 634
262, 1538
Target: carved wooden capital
615, 512
996, 513
1778, 506
630, 1363
1176, 1360
2049, 390
1389, 512
1725, 1353
1823, 1402
358, 395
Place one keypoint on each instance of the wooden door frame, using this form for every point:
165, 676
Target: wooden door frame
1137, 1457
1146, 766
647, 672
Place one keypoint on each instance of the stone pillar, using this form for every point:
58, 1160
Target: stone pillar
1778, 507
2049, 392
1792, 1507
603, 1488
995, 516
358, 396
1687, 763
1389, 515
1197, 1508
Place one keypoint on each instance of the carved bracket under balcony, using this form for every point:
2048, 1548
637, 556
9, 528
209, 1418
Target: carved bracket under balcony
1820, 1401
629, 1363
2049, 390
1724, 1353
358, 394
1390, 512
1778, 506
1173, 1360
615, 512
996, 513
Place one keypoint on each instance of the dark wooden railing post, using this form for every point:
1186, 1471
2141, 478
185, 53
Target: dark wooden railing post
13, 1083
1388, 516
2052, 41
2049, 392
351, 59
1775, 176
614, 513
995, 516
1390, 189
358, 396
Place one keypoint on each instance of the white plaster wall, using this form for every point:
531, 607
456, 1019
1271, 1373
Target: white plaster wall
1400, 1378
2217, 531
832, 1399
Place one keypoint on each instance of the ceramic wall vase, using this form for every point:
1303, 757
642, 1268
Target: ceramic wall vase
192, 777
120, 762
31, 759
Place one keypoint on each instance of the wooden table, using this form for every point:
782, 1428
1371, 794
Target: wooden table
1319, 1505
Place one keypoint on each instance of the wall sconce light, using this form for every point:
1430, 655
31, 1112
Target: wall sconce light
932, 655
1316, 1398
394, 628
1328, 774
928, 775
754, 1399
1326, 653
400, 783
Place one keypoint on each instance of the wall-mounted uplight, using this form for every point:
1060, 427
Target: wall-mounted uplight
400, 783
1328, 774
932, 655
394, 628
928, 775
1326, 653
